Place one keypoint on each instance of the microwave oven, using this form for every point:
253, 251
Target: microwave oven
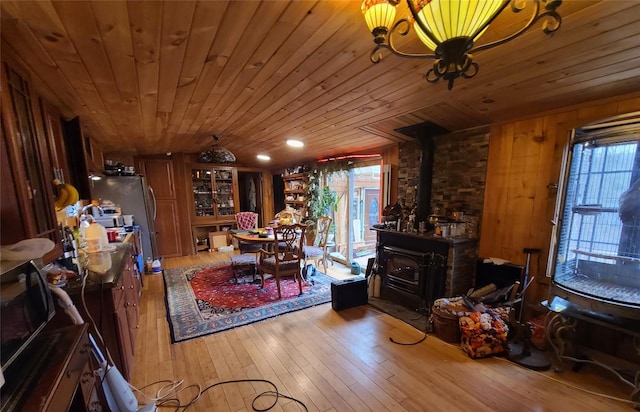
26, 306
110, 220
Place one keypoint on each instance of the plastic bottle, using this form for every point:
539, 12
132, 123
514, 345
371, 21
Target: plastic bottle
156, 267
84, 224
96, 237
148, 267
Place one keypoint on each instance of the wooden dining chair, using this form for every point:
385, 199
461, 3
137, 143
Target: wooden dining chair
317, 252
290, 215
286, 256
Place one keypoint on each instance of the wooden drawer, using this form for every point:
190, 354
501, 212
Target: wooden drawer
87, 382
72, 375
118, 294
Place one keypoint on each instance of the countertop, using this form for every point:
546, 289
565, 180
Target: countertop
111, 277
46, 374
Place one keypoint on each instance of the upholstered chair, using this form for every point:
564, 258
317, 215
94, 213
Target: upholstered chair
247, 221
285, 255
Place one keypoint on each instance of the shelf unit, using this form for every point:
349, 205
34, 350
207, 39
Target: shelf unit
295, 190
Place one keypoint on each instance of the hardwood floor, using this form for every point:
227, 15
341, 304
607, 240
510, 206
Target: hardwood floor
344, 361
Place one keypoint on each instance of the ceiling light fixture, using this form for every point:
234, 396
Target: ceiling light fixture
263, 157
295, 143
450, 28
217, 153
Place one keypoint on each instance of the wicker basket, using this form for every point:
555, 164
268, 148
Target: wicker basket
446, 325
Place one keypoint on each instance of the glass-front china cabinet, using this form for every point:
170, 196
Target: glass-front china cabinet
215, 202
214, 193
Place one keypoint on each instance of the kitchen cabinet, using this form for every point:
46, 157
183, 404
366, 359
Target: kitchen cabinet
112, 301
55, 142
83, 156
295, 190
28, 161
126, 296
160, 176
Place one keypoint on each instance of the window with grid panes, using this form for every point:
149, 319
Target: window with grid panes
598, 234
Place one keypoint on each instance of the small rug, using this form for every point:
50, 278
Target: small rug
202, 300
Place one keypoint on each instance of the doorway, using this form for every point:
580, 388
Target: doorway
250, 193
358, 210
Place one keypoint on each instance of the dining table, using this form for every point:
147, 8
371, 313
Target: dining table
258, 235
253, 236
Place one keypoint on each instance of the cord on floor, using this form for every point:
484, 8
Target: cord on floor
172, 400
409, 343
602, 395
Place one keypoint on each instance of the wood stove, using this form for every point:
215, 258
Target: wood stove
417, 278
417, 269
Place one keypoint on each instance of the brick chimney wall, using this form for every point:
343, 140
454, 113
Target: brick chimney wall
459, 170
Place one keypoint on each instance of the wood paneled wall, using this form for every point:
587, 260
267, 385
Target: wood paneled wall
525, 159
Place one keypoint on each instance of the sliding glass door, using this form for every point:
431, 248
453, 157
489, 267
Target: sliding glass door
359, 208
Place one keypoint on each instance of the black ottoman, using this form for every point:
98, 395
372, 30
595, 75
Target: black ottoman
349, 293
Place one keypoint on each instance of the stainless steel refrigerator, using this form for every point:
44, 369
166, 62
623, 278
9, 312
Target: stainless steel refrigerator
135, 197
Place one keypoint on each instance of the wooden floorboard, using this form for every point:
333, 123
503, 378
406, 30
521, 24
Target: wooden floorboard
344, 361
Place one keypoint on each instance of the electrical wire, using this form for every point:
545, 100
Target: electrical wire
602, 395
419, 340
409, 343
171, 397
602, 365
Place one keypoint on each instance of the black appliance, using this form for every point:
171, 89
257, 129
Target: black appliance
411, 278
26, 307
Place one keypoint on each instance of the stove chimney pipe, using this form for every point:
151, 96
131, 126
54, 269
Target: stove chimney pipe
423, 197
424, 132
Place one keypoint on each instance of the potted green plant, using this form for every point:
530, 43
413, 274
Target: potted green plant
329, 200
320, 202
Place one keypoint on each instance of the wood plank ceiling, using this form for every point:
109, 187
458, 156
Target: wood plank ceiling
149, 77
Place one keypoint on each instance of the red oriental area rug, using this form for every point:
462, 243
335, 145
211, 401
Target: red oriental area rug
202, 300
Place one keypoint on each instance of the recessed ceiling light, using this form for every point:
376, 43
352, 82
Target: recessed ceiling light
263, 157
295, 143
